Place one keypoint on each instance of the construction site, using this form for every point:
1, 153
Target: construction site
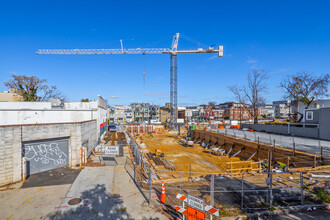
233, 175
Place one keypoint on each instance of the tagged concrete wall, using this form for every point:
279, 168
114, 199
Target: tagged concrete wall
12, 137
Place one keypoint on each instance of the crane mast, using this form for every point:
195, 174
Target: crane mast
174, 80
173, 52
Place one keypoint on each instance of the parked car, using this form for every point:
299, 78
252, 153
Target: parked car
112, 128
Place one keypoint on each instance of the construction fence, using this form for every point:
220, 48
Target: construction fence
231, 193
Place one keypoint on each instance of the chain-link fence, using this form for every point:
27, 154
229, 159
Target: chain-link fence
231, 193
313, 146
236, 193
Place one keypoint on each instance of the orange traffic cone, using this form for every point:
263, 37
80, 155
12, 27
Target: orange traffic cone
163, 195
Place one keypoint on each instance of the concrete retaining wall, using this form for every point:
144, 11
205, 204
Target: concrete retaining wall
11, 138
258, 150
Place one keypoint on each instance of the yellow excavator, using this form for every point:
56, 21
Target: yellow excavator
150, 134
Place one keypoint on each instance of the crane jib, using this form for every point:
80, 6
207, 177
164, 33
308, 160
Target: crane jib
125, 51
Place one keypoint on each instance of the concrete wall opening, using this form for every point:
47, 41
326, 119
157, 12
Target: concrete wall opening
47, 154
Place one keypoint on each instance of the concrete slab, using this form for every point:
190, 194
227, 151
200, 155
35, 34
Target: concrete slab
135, 203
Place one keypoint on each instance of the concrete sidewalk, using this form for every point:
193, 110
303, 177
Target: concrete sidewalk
106, 193
93, 187
136, 205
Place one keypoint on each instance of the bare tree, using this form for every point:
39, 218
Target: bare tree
212, 104
304, 87
33, 89
252, 93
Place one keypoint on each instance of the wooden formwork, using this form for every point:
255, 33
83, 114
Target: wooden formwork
258, 151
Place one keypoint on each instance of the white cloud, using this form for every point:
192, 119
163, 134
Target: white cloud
212, 57
187, 103
251, 61
114, 97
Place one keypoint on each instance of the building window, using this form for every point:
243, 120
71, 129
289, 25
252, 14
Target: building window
309, 115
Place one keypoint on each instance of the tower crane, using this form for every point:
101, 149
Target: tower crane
173, 52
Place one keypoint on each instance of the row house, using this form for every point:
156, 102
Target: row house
285, 109
128, 114
154, 113
181, 114
111, 114
207, 113
165, 112
119, 114
144, 112
140, 112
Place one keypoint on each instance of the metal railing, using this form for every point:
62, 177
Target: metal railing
313, 146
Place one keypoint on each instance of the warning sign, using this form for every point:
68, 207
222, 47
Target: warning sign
113, 150
196, 203
194, 214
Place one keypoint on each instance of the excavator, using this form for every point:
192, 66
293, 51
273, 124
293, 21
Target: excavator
150, 134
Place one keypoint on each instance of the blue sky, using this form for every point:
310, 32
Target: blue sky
282, 37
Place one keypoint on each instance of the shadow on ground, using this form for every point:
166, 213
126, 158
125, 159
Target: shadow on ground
96, 204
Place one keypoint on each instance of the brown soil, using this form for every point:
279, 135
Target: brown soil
90, 163
182, 157
112, 137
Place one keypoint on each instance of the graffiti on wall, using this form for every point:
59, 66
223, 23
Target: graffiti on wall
46, 153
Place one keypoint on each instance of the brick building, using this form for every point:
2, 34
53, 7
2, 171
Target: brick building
235, 111
239, 111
